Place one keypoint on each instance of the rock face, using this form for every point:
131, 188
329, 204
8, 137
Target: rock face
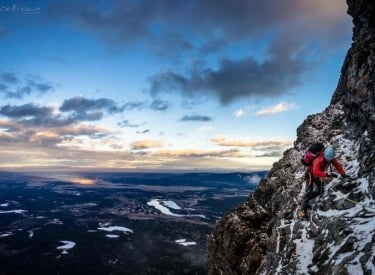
264, 236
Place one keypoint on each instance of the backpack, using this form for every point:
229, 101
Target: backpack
312, 153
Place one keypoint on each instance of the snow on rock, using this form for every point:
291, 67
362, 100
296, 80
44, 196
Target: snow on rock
4, 205
6, 234
67, 246
116, 228
16, 211
112, 236
184, 242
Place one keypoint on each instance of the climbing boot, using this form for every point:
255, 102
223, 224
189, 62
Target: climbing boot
303, 214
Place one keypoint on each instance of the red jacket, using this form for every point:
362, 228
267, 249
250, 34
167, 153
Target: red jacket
321, 164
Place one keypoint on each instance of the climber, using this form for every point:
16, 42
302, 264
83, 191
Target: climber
315, 173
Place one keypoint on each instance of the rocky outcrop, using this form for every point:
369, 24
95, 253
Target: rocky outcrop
264, 236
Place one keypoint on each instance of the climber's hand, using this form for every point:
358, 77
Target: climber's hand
344, 176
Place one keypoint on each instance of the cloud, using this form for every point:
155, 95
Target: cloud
39, 136
198, 118
195, 153
34, 115
162, 22
255, 144
239, 113
197, 28
236, 79
159, 105
127, 124
72, 111
143, 131
25, 111
146, 144
251, 148
15, 86
9, 77
85, 109
83, 105
278, 108
272, 154
131, 105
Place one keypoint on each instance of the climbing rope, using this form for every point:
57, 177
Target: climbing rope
347, 199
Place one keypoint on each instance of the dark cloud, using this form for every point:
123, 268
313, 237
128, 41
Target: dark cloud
41, 87
235, 79
132, 105
81, 108
19, 93
33, 115
24, 111
83, 105
200, 22
172, 45
159, 105
3, 87
143, 131
196, 118
72, 112
177, 28
9, 77
127, 124
84, 109
15, 86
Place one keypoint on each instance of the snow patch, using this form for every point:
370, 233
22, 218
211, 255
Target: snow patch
165, 206
158, 205
67, 246
6, 235
116, 228
16, 211
172, 204
112, 236
184, 242
304, 250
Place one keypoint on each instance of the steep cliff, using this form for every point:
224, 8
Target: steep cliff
264, 236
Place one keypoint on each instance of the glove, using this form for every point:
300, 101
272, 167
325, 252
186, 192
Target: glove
331, 175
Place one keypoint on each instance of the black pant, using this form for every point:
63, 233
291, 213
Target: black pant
309, 191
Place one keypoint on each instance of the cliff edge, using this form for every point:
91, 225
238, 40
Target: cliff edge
264, 236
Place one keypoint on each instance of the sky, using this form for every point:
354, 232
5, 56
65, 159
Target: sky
202, 85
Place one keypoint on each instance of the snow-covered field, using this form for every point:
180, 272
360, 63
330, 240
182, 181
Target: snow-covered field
165, 206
